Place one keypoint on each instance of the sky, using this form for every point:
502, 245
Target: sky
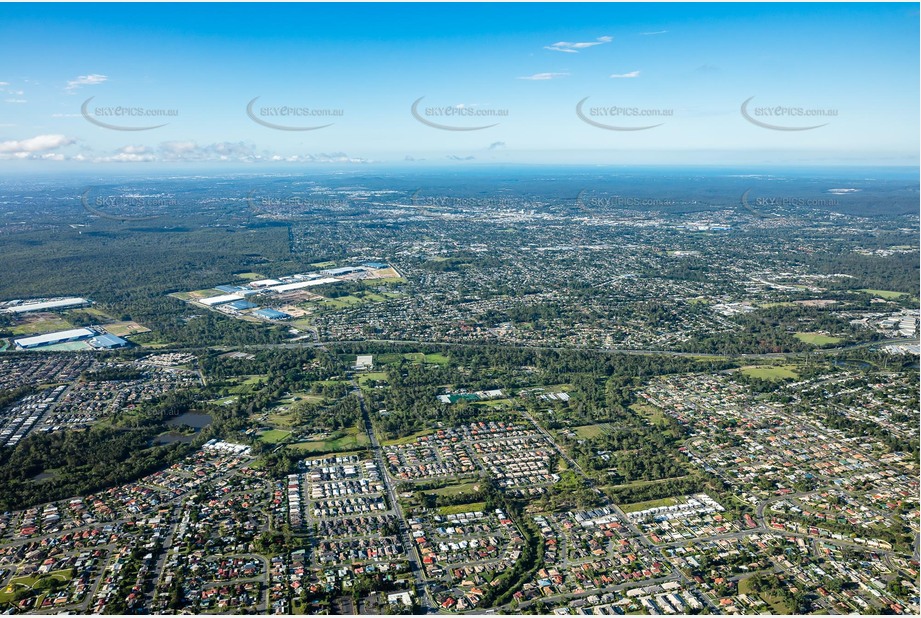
149, 86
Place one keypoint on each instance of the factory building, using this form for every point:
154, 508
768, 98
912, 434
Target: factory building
63, 336
44, 305
107, 341
271, 314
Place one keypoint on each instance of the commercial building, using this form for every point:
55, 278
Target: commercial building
335, 272
242, 305
229, 289
271, 314
107, 341
45, 305
63, 336
288, 287
211, 301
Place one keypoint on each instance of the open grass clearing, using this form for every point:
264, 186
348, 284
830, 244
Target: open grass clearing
431, 359
456, 490
249, 276
273, 436
654, 415
587, 432
771, 372
887, 294
649, 504
125, 329
410, 439
454, 509
817, 338
38, 324
348, 440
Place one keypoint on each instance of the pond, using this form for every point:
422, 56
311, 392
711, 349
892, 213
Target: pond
196, 421
171, 438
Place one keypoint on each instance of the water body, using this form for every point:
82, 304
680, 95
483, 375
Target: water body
196, 421
171, 438
189, 419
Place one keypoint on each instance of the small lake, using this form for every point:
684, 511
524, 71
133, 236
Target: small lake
197, 421
171, 438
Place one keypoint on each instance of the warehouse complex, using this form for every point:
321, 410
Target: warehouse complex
93, 339
28, 306
263, 298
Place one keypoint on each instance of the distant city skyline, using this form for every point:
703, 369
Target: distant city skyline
287, 86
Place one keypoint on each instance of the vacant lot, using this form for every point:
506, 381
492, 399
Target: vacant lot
648, 504
779, 372
817, 338
887, 294
462, 508
587, 432
340, 441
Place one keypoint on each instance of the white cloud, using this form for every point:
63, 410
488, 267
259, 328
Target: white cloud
544, 76
4, 84
653, 33
574, 48
220, 151
33, 147
15, 101
626, 75
85, 80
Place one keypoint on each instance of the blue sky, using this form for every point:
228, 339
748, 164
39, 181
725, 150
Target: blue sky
687, 68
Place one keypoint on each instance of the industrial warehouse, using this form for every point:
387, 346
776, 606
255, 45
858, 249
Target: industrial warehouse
85, 338
29, 306
275, 299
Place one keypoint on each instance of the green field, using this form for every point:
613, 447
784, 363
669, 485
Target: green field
344, 441
654, 415
648, 504
28, 581
778, 605
408, 439
887, 294
377, 376
342, 302
273, 436
587, 432
39, 326
244, 384
383, 280
432, 359
772, 372
456, 490
249, 276
461, 508
817, 338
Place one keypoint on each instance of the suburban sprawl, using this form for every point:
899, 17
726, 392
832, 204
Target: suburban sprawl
587, 394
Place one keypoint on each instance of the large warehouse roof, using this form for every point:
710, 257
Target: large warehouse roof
287, 287
220, 300
49, 338
46, 304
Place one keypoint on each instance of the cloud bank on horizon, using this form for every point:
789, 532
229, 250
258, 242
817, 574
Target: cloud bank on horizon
337, 86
